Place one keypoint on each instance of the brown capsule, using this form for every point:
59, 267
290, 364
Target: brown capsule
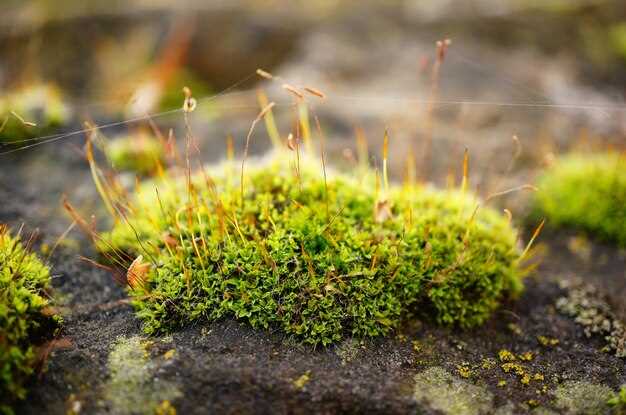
293, 90
315, 92
264, 74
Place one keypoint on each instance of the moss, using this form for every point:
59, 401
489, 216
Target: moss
318, 264
24, 316
450, 394
617, 34
618, 401
582, 398
171, 97
133, 387
586, 192
39, 104
138, 153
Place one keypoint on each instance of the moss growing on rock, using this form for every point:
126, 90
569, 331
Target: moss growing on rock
138, 153
40, 108
618, 401
317, 260
23, 315
588, 193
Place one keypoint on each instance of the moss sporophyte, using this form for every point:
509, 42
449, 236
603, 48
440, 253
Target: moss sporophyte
309, 253
24, 315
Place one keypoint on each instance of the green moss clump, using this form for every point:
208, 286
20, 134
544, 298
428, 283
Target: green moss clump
23, 318
317, 264
138, 153
39, 104
586, 192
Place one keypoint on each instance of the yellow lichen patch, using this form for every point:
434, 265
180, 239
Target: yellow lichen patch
488, 363
464, 370
450, 394
301, 382
506, 356
165, 408
526, 356
169, 354
547, 341
417, 346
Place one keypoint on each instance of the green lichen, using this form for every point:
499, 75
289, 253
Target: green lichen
317, 260
138, 153
40, 105
451, 395
24, 318
133, 387
577, 397
587, 193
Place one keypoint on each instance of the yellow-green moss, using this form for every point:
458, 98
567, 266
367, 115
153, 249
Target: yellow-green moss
139, 153
587, 192
23, 320
618, 401
39, 104
316, 261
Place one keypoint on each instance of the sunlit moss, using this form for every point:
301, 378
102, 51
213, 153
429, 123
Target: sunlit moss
23, 315
318, 260
30, 112
587, 192
138, 153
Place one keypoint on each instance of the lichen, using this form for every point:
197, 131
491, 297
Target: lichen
312, 257
585, 305
587, 192
24, 315
451, 395
577, 397
133, 386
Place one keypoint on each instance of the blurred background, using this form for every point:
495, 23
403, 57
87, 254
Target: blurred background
550, 72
